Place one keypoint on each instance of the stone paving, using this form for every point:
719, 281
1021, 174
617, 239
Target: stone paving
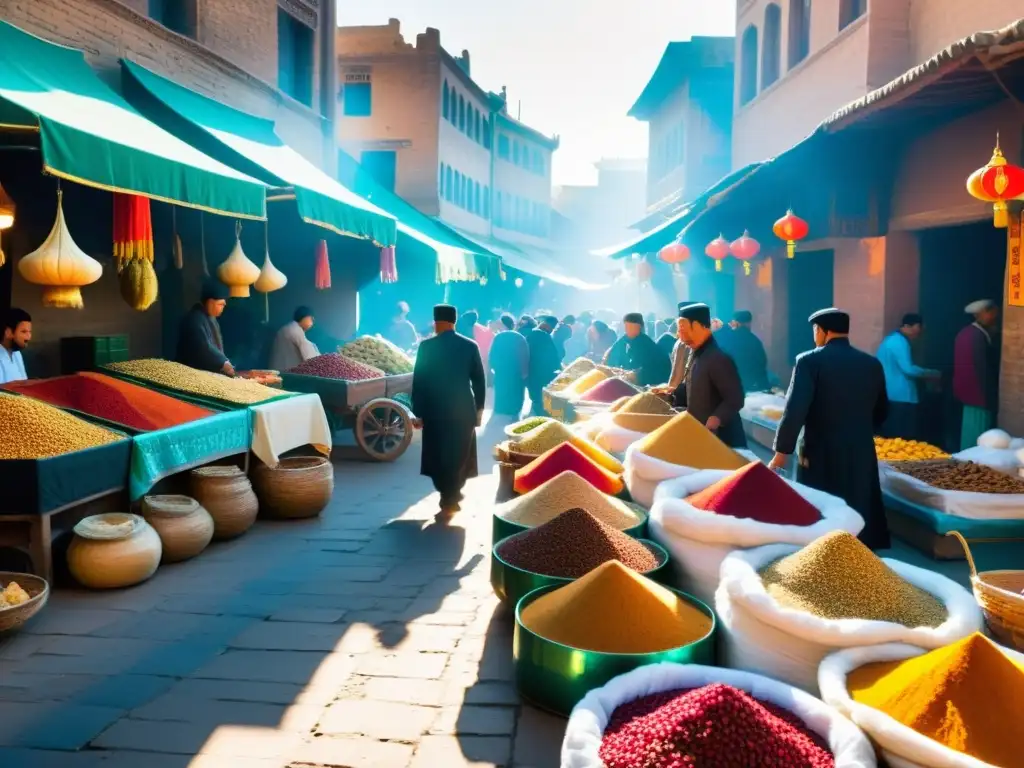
367, 638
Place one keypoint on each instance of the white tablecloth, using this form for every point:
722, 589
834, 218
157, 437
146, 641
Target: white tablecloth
292, 422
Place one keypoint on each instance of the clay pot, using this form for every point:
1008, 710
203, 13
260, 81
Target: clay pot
113, 550
225, 492
297, 487
185, 528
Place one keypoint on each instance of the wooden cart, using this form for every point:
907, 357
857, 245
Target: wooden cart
381, 425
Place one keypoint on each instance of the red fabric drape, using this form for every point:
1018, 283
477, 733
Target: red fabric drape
133, 229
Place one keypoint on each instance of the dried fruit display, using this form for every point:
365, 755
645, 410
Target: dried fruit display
898, 449
336, 366
961, 476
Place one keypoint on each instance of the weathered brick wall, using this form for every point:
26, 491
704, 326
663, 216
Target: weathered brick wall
935, 24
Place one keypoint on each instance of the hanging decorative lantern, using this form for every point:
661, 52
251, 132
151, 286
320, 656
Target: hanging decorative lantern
133, 251
322, 268
519, 282
996, 183
270, 279
791, 228
60, 266
718, 249
6, 218
745, 248
237, 272
644, 271
388, 265
675, 253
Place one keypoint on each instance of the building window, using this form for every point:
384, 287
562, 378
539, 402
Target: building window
503, 150
440, 182
541, 164
748, 65
444, 100
477, 132
515, 152
381, 165
487, 132
487, 202
771, 45
799, 31
477, 201
850, 11
499, 219
449, 184
295, 64
462, 113
177, 15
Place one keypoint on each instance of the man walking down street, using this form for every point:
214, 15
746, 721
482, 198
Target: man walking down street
544, 361
902, 377
510, 365
448, 394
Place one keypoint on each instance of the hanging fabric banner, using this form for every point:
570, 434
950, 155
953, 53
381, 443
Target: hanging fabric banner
133, 230
388, 265
1014, 285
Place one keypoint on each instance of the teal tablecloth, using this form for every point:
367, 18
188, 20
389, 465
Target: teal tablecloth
155, 455
942, 523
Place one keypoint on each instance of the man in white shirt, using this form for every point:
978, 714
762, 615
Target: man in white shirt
291, 347
17, 335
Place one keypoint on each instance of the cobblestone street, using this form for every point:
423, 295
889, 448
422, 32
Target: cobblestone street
367, 638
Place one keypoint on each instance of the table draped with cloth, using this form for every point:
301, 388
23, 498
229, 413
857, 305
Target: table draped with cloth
281, 425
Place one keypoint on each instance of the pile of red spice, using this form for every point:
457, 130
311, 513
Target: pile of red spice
756, 493
565, 458
716, 726
336, 366
608, 391
105, 397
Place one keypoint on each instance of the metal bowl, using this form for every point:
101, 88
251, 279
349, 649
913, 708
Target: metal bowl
511, 584
502, 528
554, 677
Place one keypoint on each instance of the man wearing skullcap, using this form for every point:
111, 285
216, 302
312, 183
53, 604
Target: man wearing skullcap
636, 351
837, 397
743, 346
200, 343
448, 393
976, 371
544, 361
291, 347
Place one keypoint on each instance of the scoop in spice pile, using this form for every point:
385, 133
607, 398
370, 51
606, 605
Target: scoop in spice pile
337, 366
962, 476
686, 442
566, 458
13, 594
898, 449
583, 383
608, 391
645, 402
615, 610
716, 726
837, 577
564, 492
30, 429
967, 696
527, 425
554, 433
756, 493
572, 545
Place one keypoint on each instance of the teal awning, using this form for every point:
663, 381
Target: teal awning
532, 262
250, 143
90, 135
458, 259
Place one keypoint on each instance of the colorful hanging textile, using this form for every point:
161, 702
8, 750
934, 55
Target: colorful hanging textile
388, 265
322, 275
133, 230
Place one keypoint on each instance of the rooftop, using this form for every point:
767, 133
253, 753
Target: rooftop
679, 61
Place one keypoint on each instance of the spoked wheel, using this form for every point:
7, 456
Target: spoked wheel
383, 429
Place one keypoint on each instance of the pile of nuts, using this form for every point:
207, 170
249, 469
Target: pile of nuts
336, 366
962, 476
180, 377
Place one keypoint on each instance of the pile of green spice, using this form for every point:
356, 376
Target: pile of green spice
526, 425
837, 577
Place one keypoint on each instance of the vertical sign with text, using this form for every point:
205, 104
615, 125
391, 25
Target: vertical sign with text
1014, 282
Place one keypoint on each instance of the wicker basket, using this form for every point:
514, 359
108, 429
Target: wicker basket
999, 595
39, 592
225, 492
185, 528
298, 487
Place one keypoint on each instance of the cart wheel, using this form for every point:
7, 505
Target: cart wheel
383, 429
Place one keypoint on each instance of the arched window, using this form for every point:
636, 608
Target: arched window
799, 31
440, 181
487, 133
462, 113
476, 125
458, 189
445, 99
449, 184
771, 45
499, 217
850, 11
477, 202
748, 65
487, 202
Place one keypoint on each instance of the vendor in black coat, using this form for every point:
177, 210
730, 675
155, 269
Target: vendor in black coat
711, 390
448, 393
636, 351
837, 396
545, 361
200, 343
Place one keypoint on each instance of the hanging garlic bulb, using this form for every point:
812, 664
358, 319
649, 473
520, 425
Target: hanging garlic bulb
60, 266
237, 272
271, 278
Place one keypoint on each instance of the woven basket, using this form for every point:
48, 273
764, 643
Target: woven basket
225, 492
39, 593
296, 488
505, 453
999, 595
185, 528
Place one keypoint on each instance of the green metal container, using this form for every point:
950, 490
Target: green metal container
555, 677
511, 584
502, 528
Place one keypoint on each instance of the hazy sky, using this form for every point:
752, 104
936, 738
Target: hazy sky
574, 66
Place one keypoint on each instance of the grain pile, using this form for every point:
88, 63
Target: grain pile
566, 458
962, 476
645, 402
837, 577
716, 726
688, 443
527, 425
572, 545
583, 383
564, 492
180, 377
573, 371
608, 391
337, 366
378, 353
30, 429
615, 610
554, 433
967, 696
756, 493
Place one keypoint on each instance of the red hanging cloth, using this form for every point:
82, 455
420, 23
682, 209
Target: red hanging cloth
133, 229
388, 265
322, 272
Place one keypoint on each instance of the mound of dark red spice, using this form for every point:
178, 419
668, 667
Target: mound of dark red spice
572, 545
716, 726
336, 366
756, 493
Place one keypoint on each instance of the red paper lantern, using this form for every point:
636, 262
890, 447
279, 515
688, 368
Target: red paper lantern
996, 183
791, 228
674, 253
718, 249
644, 271
745, 248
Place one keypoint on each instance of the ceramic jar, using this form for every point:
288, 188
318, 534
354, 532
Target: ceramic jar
113, 550
225, 492
185, 528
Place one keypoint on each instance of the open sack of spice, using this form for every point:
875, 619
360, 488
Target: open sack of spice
960, 488
627, 421
679, 447
656, 715
959, 706
552, 433
701, 518
784, 608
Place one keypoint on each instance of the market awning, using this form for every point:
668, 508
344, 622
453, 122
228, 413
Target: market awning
531, 262
458, 259
251, 144
90, 135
